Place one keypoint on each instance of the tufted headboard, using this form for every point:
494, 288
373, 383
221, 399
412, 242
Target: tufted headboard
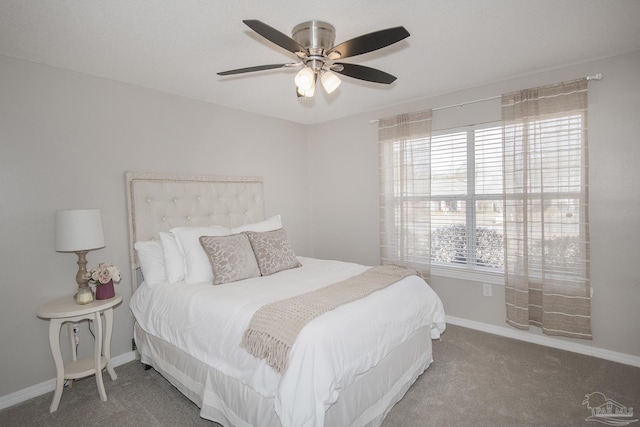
159, 202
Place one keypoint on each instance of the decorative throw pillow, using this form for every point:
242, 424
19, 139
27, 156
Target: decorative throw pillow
273, 251
151, 261
231, 257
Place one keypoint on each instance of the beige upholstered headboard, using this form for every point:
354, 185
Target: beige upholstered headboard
159, 202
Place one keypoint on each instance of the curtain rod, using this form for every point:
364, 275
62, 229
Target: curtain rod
597, 76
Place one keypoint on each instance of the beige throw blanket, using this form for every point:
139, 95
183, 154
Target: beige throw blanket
274, 327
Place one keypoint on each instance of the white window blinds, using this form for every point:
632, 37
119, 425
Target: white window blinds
466, 208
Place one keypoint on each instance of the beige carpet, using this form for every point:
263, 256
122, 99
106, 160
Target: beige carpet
477, 379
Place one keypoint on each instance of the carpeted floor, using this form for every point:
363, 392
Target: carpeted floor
477, 379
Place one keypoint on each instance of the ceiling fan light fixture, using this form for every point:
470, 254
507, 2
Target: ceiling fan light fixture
330, 81
308, 93
305, 79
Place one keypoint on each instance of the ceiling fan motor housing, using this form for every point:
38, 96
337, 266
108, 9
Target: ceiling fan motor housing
317, 36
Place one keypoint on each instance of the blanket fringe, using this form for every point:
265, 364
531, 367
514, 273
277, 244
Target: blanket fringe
265, 346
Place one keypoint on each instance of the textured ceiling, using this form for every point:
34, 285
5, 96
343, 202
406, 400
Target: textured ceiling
178, 46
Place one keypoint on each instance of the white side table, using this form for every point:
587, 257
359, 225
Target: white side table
66, 310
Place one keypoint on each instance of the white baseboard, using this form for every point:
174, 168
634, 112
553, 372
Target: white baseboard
50, 385
548, 341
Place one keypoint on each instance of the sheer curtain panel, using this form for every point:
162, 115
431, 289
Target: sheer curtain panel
546, 221
405, 186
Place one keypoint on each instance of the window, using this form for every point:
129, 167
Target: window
466, 199
441, 200
556, 196
443, 203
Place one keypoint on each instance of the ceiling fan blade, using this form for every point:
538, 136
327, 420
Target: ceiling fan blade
364, 73
252, 69
368, 42
275, 36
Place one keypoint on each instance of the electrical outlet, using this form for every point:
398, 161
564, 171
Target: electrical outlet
76, 333
487, 290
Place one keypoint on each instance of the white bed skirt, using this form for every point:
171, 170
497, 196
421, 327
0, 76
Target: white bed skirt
229, 402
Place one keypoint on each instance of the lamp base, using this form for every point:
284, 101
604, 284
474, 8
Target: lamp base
84, 295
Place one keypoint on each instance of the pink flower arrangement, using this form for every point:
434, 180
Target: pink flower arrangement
103, 273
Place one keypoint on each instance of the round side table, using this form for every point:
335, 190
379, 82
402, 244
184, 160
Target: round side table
66, 310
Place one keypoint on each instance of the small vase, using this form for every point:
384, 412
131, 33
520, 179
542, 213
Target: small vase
105, 291
84, 295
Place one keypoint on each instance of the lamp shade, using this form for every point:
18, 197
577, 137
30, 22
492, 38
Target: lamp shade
307, 93
305, 79
79, 230
330, 81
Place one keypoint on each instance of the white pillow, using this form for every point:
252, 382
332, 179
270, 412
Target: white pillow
151, 260
173, 259
273, 223
196, 261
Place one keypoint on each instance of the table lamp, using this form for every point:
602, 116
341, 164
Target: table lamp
80, 231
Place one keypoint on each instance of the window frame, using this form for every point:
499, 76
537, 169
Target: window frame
468, 271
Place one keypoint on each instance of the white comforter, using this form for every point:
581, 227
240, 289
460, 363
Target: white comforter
207, 322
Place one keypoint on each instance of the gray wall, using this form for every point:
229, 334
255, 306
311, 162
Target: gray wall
344, 187
66, 140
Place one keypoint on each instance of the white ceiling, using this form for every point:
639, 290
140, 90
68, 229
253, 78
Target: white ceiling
178, 46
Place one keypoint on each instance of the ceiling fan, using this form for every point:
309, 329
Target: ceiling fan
313, 43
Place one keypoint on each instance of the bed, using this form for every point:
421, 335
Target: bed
347, 367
